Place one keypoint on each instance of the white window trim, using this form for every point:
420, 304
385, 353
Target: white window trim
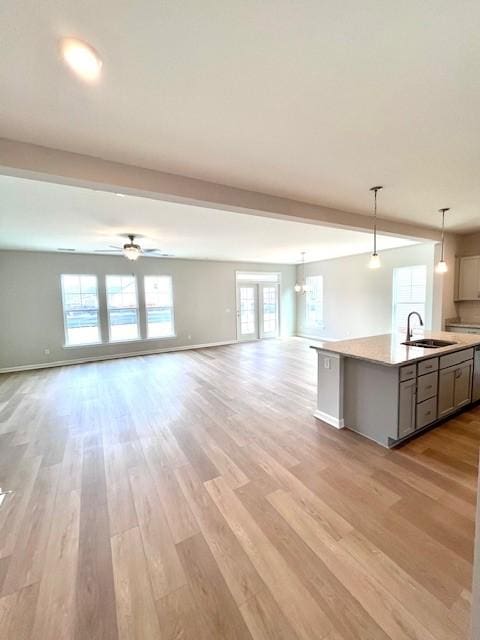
395, 329
321, 324
99, 323
123, 340
174, 333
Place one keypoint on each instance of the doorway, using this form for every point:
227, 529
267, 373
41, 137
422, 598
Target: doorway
257, 307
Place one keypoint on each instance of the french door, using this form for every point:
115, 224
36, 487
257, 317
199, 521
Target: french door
257, 311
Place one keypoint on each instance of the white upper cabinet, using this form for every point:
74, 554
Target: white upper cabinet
469, 278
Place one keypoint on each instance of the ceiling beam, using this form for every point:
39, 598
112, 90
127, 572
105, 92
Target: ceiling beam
63, 167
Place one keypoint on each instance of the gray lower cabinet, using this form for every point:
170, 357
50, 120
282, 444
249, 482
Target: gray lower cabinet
407, 403
426, 412
463, 384
454, 388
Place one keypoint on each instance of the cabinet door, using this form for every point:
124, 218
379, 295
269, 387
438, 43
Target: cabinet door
446, 391
469, 278
463, 384
407, 407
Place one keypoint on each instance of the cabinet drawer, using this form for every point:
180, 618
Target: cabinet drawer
425, 366
455, 358
427, 386
426, 412
408, 372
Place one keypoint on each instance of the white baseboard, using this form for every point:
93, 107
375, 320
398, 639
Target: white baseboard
62, 363
331, 420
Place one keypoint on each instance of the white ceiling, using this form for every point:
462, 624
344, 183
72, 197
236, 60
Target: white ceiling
312, 100
46, 216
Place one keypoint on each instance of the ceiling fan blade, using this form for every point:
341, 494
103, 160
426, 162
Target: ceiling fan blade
107, 250
114, 246
150, 250
157, 254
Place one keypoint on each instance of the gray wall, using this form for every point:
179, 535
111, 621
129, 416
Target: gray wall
357, 300
31, 318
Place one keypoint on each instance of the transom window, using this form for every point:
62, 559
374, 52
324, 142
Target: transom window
409, 293
159, 305
122, 305
314, 301
80, 309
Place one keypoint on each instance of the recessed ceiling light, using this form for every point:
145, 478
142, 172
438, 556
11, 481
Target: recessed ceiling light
120, 195
81, 58
65, 249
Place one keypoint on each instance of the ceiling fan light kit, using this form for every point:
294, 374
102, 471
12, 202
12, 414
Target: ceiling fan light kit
132, 251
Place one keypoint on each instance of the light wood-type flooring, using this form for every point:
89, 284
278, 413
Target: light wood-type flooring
192, 496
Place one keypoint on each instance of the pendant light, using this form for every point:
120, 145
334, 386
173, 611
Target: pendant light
374, 262
301, 285
442, 266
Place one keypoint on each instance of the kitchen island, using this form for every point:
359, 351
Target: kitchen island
389, 391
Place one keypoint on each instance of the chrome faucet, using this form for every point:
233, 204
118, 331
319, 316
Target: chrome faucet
409, 331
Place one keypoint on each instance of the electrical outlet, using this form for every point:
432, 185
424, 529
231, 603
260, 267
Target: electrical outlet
46, 351
189, 337
326, 363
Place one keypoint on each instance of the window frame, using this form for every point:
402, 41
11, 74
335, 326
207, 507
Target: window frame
395, 302
137, 308
97, 310
159, 275
308, 323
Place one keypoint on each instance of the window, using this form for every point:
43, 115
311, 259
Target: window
122, 304
80, 309
257, 276
409, 292
269, 309
314, 301
159, 305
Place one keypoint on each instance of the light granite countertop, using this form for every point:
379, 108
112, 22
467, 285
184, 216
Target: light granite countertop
389, 351
459, 323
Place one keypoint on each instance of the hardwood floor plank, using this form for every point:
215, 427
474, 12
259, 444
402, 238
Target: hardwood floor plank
177, 615
265, 619
136, 611
237, 569
28, 556
295, 601
55, 611
216, 607
95, 596
179, 516
374, 597
17, 613
164, 567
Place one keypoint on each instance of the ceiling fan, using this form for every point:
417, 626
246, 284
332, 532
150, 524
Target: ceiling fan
133, 251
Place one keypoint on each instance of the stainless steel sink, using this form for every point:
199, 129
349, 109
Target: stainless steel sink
428, 343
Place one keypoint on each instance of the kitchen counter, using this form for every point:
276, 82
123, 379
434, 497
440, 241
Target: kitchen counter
464, 325
387, 391
389, 351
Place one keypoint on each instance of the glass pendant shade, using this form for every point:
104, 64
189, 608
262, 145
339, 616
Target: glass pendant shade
374, 262
441, 267
301, 285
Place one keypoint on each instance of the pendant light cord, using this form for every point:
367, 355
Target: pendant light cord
443, 211
443, 231
375, 224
